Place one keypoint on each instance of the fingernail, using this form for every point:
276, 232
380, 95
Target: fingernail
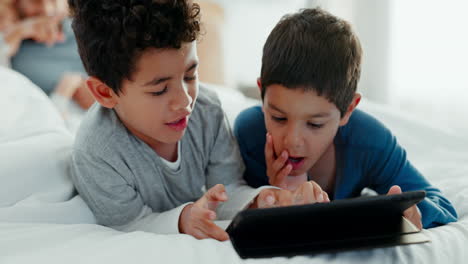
320, 198
224, 196
270, 200
284, 154
212, 216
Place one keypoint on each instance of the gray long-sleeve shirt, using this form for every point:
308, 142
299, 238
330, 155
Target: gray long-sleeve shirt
128, 186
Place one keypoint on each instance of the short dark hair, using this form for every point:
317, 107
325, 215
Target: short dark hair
313, 50
112, 34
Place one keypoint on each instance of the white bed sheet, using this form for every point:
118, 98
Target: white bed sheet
49, 223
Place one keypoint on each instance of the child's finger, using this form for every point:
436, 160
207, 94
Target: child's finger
266, 198
212, 197
318, 192
327, 198
304, 194
414, 216
202, 213
203, 221
213, 231
280, 179
216, 193
269, 149
395, 189
280, 161
284, 197
198, 234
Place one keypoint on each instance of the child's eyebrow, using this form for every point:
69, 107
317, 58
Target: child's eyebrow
193, 66
270, 105
322, 114
317, 115
158, 80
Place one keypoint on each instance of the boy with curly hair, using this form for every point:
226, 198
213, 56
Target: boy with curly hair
156, 141
309, 129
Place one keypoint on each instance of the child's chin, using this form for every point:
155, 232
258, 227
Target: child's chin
297, 173
173, 138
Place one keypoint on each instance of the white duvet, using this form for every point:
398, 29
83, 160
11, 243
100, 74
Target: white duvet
42, 220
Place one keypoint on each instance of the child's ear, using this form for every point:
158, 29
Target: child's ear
357, 98
101, 92
259, 84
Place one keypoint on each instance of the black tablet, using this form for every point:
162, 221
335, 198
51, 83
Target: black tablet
361, 222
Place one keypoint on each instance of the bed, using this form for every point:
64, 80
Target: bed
43, 220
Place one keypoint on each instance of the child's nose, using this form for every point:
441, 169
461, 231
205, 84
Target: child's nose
182, 99
292, 139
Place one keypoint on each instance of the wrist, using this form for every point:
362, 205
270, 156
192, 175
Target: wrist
183, 218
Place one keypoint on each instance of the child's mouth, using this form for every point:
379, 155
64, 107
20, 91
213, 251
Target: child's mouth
296, 162
178, 125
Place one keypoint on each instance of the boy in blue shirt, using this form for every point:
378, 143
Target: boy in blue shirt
309, 130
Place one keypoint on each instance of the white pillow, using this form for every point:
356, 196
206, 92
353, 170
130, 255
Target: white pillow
25, 109
34, 166
35, 149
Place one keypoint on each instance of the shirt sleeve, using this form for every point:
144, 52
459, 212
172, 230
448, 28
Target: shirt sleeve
390, 166
114, 201
226, 166
159, 223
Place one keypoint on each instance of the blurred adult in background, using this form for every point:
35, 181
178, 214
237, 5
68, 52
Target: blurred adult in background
14, 29
36, 40
55, 69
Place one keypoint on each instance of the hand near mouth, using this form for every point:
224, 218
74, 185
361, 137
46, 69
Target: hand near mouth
278, 170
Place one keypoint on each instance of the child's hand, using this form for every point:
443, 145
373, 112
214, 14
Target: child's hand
277, 168
307, 193
412, 214
310, 192
197, 219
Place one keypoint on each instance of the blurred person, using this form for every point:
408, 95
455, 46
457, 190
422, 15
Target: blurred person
39, 24
56, 65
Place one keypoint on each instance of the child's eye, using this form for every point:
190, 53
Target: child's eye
314, 126
160, 92
278, 119
189, 79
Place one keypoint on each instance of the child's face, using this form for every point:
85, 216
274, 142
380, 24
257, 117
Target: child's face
156, 104
302, 123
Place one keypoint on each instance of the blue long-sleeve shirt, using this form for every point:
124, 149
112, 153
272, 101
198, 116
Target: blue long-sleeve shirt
368, 155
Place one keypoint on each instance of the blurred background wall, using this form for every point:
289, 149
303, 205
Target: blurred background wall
415, 51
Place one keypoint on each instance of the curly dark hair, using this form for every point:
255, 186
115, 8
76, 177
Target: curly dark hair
112, 34
313, 50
